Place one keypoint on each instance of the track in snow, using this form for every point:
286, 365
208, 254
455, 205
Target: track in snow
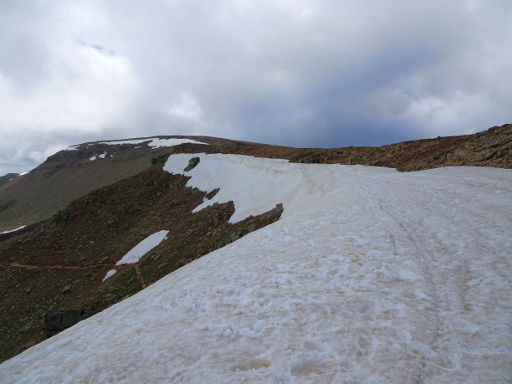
370, 276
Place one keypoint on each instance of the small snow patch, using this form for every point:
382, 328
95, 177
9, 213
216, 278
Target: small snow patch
13, 230
95, 157
109, 274
146, 245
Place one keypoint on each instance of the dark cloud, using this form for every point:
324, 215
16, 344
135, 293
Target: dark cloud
303, 72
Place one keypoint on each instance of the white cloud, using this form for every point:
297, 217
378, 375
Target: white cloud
84, 91
297, 72
80, 91
187, 108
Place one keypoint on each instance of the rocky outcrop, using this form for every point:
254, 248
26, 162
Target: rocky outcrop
57, 322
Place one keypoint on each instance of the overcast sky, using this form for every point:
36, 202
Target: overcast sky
301, 73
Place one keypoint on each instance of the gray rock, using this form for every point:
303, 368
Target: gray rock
66, 289
27, 327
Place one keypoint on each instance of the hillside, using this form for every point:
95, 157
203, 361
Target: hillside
87, 207
370, 275
70, 174
61, 264
8, 177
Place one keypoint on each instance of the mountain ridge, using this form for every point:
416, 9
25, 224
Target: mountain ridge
369, 275
110, 197
70, 174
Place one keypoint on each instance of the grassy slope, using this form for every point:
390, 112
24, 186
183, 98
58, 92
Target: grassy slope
92, 234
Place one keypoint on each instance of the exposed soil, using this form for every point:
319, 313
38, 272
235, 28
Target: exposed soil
34, 267
140, 277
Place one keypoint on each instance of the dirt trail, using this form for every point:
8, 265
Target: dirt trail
35, 267
139, 275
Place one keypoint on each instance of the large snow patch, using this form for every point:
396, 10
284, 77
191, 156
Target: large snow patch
256, 185
370, 276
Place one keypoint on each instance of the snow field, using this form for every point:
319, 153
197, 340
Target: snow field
370, 276
257, 185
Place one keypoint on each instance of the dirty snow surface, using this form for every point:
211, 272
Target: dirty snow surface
146, 245
370, 276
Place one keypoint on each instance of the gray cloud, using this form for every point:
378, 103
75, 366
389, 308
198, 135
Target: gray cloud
304, 73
